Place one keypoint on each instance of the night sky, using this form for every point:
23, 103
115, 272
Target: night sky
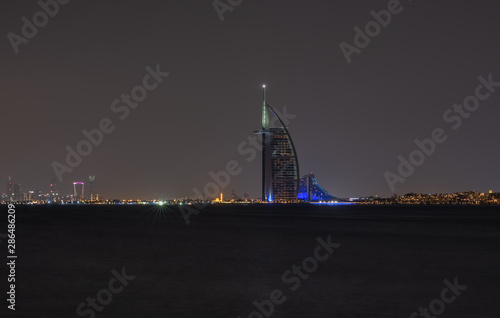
352, 120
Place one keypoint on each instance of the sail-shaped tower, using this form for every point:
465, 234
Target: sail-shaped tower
280, 165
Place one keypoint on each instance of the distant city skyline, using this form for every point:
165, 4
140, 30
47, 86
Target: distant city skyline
351, 121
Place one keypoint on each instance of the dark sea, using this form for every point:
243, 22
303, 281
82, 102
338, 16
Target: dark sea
254, 261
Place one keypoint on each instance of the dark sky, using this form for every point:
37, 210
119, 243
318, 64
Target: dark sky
352, 120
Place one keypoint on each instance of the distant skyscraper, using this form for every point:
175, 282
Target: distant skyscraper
280, 165
78, 194
53, 188
17, 192
38, 195
10, 190
92, 187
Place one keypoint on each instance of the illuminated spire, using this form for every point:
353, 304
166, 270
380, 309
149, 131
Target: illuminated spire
265, 111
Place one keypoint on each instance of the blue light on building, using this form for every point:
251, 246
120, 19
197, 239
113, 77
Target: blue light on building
311, 191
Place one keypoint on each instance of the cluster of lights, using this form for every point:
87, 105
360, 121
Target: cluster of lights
333, 203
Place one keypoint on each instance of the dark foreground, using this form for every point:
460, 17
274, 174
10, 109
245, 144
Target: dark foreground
391, 261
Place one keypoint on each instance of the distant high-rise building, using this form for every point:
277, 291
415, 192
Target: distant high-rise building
79, 193
280, 165
10, 189
38, 195
92, 188
17, 192
53, 188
